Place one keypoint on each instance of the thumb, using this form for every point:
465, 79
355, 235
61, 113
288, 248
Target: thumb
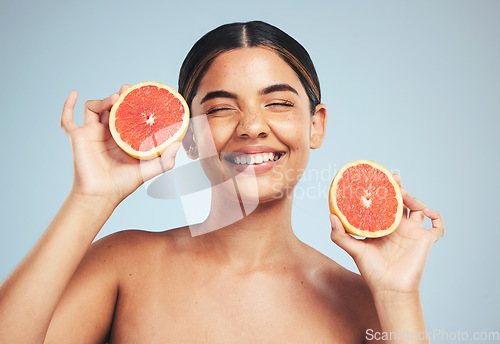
343, 239
164, 163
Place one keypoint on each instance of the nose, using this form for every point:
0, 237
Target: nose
252, 124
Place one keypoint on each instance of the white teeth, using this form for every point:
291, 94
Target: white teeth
251, 159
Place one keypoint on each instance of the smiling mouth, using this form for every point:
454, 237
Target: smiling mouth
253, 159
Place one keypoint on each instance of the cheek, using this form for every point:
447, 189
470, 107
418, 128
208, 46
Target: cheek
208, 136
294, 133
221, 132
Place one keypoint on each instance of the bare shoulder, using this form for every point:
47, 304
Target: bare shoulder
129, 248
88, 303
343, 290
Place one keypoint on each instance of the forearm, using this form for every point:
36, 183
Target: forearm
30, 294
401, 318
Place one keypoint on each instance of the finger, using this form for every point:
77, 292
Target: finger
123, 88
164, 163
67, 122
398, 178
437, 223
343, 239
104, 118
94, 108
417, 216
411, 202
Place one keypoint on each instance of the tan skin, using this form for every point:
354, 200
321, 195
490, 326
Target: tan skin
252, 281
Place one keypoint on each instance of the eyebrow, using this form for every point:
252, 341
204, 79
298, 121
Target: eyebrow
267, 90
218, 94
278, 88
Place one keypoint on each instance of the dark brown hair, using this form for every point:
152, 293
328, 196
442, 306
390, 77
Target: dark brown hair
246, 35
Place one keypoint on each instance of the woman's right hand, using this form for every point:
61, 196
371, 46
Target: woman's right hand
101, 167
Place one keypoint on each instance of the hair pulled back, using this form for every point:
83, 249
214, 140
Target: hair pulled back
246, 35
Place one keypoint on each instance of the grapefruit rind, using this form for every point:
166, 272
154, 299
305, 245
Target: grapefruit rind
347, 225
156, 151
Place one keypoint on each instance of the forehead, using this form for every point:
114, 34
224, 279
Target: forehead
245, 69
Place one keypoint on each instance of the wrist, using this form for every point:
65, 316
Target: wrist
103, 192
82, 215
389, 297
92, 202
401, 313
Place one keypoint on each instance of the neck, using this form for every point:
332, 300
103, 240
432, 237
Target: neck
246, 239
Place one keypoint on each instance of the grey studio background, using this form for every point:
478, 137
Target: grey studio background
414, 85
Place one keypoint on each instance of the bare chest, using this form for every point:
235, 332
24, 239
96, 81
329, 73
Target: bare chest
207, 308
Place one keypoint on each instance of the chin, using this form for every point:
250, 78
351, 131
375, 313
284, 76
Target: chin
262, 192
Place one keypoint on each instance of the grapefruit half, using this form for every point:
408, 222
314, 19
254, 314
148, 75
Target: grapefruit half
366, 198
147, 118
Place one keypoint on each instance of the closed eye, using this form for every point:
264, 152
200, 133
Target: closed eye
280, 105
219, 110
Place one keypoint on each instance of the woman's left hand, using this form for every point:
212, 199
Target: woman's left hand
393, 265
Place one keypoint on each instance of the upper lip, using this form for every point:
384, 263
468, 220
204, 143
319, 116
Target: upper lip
255, 150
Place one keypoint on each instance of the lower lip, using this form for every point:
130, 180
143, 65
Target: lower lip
255, 168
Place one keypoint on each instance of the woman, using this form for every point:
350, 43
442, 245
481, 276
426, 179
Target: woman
255, 100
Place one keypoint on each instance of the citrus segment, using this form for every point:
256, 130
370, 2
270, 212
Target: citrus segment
367, 199
147, 118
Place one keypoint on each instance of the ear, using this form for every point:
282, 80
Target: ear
318, 126
189, 143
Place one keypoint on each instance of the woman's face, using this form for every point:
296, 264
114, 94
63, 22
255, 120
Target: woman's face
259, 119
